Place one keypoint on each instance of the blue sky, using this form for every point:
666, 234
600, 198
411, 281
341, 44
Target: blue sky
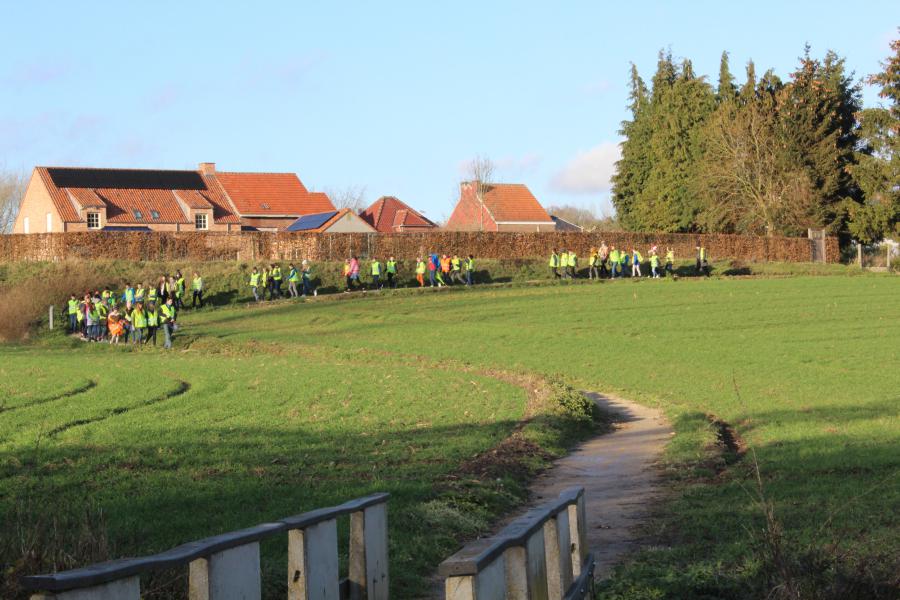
392, 96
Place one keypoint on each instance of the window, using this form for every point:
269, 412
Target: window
26, 225
154, 214
49, 222
93, 220
138, 215
200, 221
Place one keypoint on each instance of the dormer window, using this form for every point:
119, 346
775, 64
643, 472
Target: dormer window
138, 215
200, 222
93, 220
154, 214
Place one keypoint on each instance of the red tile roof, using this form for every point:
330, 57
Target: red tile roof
389, 215
513, 202
272, 194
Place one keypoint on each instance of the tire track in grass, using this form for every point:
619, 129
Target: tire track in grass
183, 388
89, 385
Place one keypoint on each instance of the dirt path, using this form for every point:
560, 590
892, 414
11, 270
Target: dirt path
619, 481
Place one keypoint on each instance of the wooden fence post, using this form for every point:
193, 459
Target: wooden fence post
369, 554
578, 534
228, 575
313, 563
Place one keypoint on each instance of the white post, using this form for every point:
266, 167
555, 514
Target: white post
232, 574
51, 317
122, 589
578, 535
313, 563
536, 566
557, 549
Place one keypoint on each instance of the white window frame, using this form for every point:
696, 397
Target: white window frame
26, 225
201, 218
88, 219
49, 222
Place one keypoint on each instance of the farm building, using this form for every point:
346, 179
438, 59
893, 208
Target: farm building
390, 215
61, 199
499, 207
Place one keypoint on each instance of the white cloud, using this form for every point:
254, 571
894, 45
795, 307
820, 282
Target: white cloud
590, 171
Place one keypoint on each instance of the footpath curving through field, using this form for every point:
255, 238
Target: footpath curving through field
617, 472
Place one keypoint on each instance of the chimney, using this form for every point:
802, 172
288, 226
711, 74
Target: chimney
207, 168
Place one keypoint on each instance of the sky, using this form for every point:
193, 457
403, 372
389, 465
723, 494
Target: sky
393, 98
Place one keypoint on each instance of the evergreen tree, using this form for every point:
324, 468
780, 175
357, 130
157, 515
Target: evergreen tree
748, 90
726, 90
633, 168
878, 161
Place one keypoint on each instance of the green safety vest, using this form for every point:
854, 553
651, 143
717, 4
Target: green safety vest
564, 259
168, 313
470, 264
670, 257
254, 279
276, 273
392, 266
153, 318
376, 268
623, 258
455, 263
573, 260
80, 312
554, 260
179, 287
654, 261
138, 319
420, 267
292, 276
614, 256
139, 294
152, 294
73, 307
197, 283
702, 253
265, 277
129, 295
101, 310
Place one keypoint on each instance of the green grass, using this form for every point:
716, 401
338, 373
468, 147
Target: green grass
292, 406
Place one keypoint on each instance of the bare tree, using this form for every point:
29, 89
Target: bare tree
481, 171
351, 196
747, 184
12, 188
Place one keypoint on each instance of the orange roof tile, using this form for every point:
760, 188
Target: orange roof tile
271, 194
513, 202
388, 214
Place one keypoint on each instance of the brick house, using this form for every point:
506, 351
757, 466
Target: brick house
390, 215
502, 207
59, 199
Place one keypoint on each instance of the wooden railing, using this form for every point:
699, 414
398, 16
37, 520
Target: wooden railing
540, 556
226, 567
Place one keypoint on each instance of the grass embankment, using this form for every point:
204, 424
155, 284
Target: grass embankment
109, 452
814, 361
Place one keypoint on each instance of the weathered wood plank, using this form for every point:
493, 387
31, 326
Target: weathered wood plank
122, 589
313, 563
233, 574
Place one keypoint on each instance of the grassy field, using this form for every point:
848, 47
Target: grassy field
269, 410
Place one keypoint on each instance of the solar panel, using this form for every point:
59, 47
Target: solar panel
125, 228
126, 179
307, 222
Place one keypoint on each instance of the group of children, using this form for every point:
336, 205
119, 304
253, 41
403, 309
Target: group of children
137, 314
609, 261
271, 278
441, 269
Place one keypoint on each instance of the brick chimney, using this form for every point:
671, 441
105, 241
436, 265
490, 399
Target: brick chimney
207, 168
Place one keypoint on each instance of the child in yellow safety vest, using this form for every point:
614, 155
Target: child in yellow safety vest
654, 265
254, 283
456, 269
593, 262
573, 264
138, 319
420, 271
554, 264
670, 261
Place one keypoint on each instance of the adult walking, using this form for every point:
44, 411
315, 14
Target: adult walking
376, 274
254, 283
636, 260
390, 268
554, 264
603, 255
470, 270
167, 321
306, 278
196, 291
